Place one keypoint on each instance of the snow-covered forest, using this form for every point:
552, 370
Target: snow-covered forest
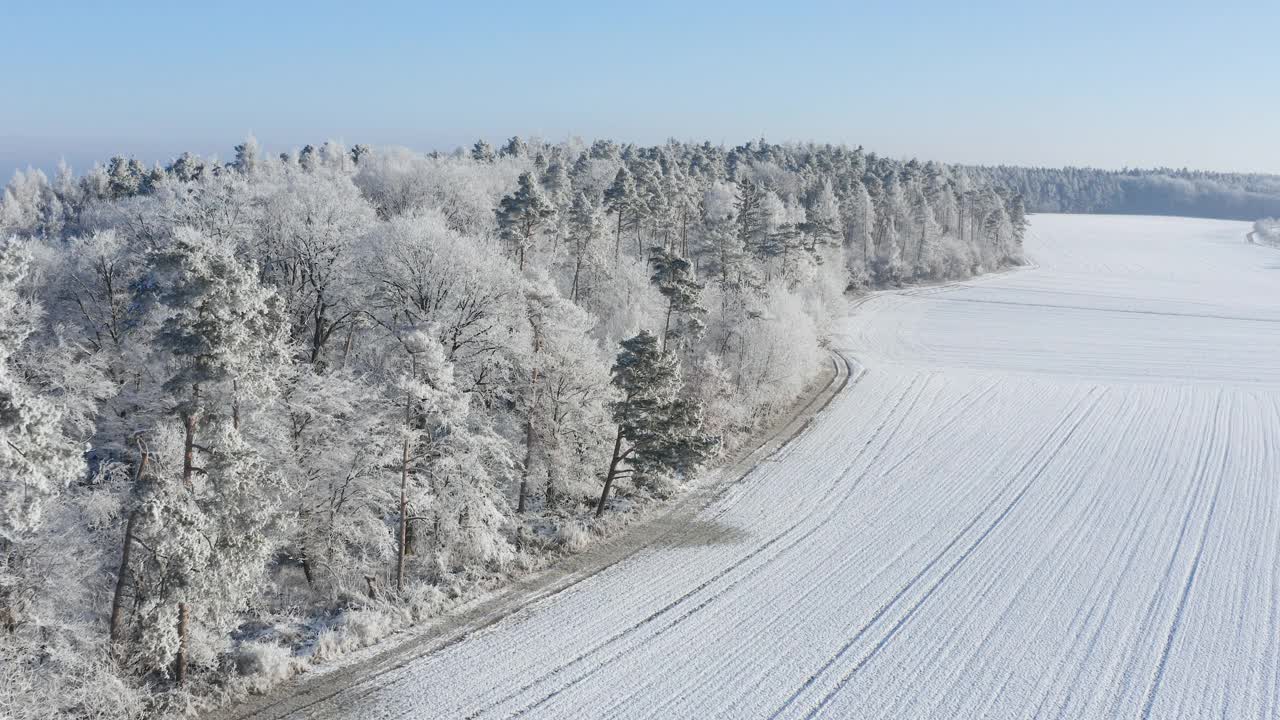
258, 413
1161, 191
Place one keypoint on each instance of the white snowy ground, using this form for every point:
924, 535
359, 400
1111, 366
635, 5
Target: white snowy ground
1054, 493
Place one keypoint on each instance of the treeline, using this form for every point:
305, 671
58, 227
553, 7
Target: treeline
260, 411
1161, 191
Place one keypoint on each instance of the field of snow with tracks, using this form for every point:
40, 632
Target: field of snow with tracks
1053, 493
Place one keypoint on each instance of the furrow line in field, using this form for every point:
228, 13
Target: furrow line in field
1062, 505
951, 414
1189, 583
1194, 492
1138, 520
913, 384
884, 609
968, 552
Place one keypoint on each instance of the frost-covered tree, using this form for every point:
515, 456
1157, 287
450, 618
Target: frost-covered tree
248, 155
522, 215
925, 231
482, 152
36, 459
221, 347
659, 432
622, 200
515, 147
673, 277
452, 512
309, 224
586, 231
752, 219
420, 274
822, 220
564, 400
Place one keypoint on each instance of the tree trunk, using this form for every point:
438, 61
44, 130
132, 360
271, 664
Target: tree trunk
666, 327
684, 233
577, 271
180, 662
550, 492
306, 569
617, 241
404, 515
117, 598
189, 423
346, 349
528, 422
613, 469
188, 469
404, 479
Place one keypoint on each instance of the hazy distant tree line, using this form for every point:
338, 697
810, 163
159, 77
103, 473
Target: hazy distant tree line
1160, 191
260, 411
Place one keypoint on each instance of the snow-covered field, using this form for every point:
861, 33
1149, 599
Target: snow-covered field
1054, 493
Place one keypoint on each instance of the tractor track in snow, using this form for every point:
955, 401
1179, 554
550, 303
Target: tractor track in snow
884, 609
851, 488
966, 401
1190, 580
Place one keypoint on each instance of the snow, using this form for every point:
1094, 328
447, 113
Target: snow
1051, 494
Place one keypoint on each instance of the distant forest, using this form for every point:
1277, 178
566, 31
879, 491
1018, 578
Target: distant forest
1160, 191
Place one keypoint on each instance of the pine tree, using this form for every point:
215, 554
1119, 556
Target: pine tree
822, 220
482, 152
557, 184
223, 339
1018, 218
673, 276
308, 158
650, 203
126, 177
515, 148
522, 215
580, 175
586, 228
565, 416
891, 209
925, 230
751, 220
248, 155
658, 432
621, 199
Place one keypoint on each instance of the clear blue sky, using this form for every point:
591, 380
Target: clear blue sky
1088, 83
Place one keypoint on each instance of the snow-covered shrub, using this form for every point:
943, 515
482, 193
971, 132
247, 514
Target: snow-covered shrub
573, 535
953, 260
56, 677
265, 664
